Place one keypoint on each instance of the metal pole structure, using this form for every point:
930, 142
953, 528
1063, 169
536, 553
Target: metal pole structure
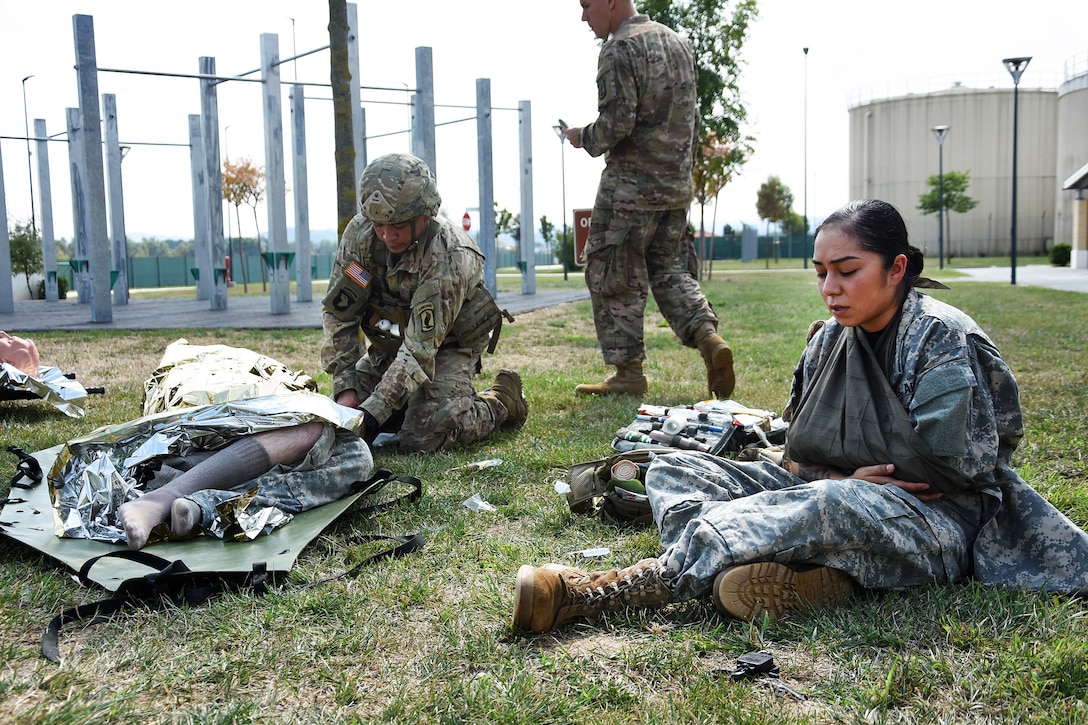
94, 183
277, 258
485, 168
528, 219
1015, 67
49, 246
29, 167
425, 110
358, 119
563, 174
230, 222
201, 243
303, 275
804, 229
294, 52
115, 205
7, 292
213, 184
940, 132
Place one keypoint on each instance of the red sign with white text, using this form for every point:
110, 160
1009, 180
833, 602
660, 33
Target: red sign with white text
581, 235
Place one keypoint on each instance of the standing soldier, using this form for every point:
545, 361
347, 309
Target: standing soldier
412, 283
639, 236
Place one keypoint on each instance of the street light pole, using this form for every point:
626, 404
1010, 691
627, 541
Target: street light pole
30, 172
940, 132
804, 226
563, 173
1015, 67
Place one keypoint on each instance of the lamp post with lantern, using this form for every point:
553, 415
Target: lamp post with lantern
940, 132
1015, 67
563, 174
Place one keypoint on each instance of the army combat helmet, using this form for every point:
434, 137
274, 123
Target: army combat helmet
396, 188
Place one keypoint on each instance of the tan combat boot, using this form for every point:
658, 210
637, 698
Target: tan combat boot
552, 595
751, 590
718, 358
627, 380
507, 391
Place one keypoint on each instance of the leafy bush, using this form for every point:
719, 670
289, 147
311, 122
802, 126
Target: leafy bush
1060, 254
62, 287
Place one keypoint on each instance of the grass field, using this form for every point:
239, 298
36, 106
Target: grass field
427, 638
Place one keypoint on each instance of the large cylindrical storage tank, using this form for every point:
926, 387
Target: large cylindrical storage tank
1072, 148
893, 153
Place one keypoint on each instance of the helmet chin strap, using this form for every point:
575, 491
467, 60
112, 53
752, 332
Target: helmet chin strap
417, 232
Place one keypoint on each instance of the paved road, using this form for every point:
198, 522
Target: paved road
1032, 275
256, 312
242, 312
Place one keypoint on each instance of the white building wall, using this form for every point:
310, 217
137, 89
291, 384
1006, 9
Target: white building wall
893, 152
1072, 146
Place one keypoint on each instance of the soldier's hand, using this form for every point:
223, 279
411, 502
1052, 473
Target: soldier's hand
348, 398
881, 474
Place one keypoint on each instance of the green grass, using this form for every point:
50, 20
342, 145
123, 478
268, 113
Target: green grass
427, 638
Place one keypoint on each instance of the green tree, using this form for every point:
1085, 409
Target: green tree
715, 164
64, 249
547, 231
796, 224
26, 252
183, 248
243, 183
559, 241
716, 31
507, 222
152, 247
956, 184
774, 201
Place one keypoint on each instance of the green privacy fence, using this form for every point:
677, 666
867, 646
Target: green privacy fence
182, 272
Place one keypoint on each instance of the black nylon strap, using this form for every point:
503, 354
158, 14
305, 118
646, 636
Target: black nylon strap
28, 468
171, 582
382, 478
408, 544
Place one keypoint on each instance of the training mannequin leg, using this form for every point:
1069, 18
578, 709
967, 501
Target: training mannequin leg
237, 463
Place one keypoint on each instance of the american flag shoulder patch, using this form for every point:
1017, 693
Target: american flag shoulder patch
357, 273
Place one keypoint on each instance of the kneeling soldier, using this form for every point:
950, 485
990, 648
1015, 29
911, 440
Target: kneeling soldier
412, 283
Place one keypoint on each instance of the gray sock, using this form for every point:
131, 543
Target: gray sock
237, 463
185, 517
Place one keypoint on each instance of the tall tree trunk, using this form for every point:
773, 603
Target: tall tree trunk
340, 78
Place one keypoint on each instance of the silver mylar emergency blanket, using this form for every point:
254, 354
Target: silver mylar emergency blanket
200, 399
51, 385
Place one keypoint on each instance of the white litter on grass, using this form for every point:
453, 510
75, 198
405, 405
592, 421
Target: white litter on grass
476, 503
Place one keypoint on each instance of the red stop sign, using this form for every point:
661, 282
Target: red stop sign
466, 221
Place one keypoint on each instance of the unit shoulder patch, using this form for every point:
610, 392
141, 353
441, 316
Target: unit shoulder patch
425, 314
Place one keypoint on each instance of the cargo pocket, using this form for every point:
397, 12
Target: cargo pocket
607, 266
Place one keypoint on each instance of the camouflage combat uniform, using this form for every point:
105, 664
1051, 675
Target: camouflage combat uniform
962, 398
639, 237
435, 296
